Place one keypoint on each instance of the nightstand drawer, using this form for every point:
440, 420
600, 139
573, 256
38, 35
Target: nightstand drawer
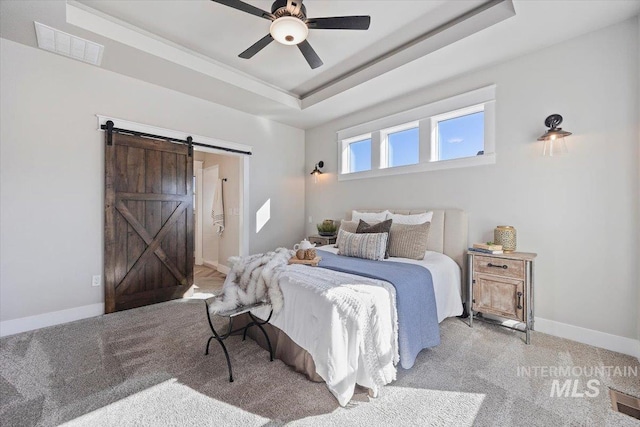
499, 266
322, 240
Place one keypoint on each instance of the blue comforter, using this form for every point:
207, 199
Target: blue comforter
415, 299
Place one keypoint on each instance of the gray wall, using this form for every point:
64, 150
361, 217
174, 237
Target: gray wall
579, 212
52, 171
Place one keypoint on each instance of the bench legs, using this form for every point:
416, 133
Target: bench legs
259, 324
226, 354
220, 338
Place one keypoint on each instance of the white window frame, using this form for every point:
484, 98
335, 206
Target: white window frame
384, 137
346, 152
425, 117
435, 146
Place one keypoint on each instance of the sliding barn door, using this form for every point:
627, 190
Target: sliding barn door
148, 221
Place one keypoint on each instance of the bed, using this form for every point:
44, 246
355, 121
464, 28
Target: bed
314, 336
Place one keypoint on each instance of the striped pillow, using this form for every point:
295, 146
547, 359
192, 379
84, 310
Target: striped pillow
381, 227
350, 226
408, 241
365, 245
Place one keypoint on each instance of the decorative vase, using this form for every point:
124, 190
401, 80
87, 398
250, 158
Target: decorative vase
505, 235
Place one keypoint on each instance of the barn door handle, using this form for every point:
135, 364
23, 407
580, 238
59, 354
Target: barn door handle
497, 266
519, 300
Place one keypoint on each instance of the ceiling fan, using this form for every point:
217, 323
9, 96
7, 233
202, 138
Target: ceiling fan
290, 25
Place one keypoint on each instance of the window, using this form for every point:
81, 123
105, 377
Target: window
402, 145
356, 154
459, 134
455, 132
360, 156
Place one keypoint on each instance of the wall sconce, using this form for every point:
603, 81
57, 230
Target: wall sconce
316, 171
553, 138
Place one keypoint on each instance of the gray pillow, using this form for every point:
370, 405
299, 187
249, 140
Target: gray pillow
408, 241
381, 227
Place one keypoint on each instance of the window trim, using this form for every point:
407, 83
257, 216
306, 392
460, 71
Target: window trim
424, 115
346, 153
435, 146
384, 142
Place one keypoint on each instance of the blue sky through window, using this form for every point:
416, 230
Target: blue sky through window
404, 147
360, 156
461, 136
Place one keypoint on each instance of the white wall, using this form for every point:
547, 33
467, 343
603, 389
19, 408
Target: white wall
579, 213
52, 172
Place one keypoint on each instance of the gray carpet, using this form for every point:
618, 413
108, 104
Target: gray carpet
147, 367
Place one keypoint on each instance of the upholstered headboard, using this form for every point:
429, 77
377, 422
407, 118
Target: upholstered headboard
447, 234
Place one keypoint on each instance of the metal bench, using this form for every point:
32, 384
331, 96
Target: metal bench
231, 314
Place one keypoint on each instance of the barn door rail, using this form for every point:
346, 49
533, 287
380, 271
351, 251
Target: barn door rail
110, 129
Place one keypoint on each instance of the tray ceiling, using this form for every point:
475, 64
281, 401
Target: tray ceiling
192, 46
221, 33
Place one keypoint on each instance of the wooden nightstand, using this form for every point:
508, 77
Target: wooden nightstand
502, 286
322, 240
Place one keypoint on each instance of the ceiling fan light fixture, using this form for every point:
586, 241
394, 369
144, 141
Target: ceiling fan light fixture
289, 30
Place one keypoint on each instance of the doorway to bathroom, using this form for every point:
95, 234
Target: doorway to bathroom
218, 211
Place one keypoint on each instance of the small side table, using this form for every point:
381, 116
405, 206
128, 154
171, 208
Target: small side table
501, 285
322, 240
231, 314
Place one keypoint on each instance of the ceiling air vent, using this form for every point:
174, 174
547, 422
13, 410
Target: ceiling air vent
68, 45
624, 403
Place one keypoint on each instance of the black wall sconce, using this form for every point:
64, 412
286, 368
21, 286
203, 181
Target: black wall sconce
553, 138
316, 171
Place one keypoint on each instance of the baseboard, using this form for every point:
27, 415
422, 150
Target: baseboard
23, 324
589, 336
217, 266
210, 264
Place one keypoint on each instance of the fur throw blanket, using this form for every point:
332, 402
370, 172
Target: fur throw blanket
253, 279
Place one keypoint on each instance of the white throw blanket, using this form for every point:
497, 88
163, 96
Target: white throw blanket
217, 210
253, 279
347, 323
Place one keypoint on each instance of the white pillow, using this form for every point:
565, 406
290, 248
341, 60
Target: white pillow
411, 219
369, 216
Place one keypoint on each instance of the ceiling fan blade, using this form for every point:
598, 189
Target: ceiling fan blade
245, 7
256, 47
340, 23
309, 54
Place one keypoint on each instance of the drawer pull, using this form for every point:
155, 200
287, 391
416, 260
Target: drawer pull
519, 300
497, 266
